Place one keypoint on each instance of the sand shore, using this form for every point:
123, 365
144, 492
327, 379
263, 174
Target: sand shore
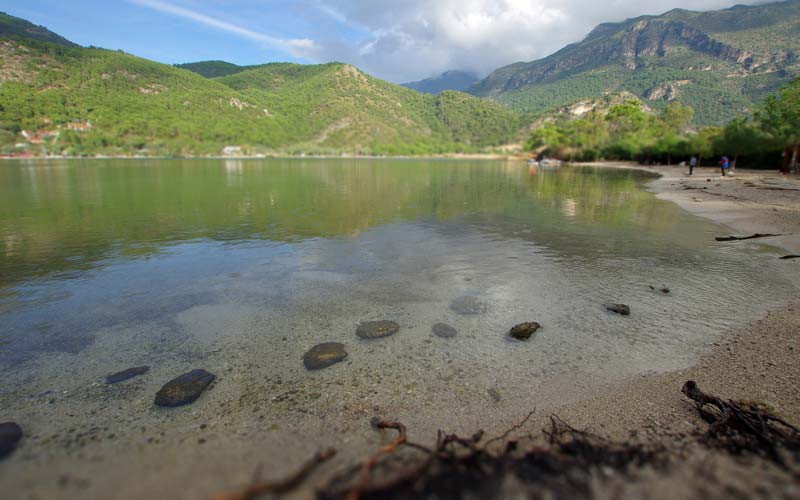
759, 361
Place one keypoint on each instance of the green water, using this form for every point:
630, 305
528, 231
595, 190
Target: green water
240, 267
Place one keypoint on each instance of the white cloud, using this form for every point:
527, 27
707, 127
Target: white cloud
411, 39
293, 46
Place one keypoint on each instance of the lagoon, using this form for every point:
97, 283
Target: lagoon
239, 267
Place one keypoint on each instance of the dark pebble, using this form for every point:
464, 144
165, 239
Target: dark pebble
619, 309
10, 436
377, 329
444, 330
184, 389
115, 378
469, 305
524, 331
324, 355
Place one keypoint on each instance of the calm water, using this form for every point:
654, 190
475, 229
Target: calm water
239, 267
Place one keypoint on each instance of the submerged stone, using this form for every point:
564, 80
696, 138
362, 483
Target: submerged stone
184, 389
444, 330
377, 329
324, 355
619, 309
124, 375
10, 436
524, 331
469, 305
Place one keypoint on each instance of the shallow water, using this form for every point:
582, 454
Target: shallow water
239, 267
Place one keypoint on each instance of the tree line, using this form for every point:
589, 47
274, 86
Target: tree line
628, 131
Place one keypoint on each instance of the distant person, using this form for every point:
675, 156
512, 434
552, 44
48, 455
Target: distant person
692, 164
724, 164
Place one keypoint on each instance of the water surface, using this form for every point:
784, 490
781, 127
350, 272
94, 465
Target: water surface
239, 267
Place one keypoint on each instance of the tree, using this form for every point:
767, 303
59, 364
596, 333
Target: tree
740, 137
780, 117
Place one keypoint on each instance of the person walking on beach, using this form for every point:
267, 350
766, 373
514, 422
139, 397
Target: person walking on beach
724, 163
692, 164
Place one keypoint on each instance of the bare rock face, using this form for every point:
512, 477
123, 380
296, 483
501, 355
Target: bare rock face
377, 329
622, 309
324, 355
10, 436
184, 389
124, 375
444, 331
524, 331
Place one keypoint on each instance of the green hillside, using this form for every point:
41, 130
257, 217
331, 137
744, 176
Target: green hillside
449, 80
63, 99
212, 69
722, 63
14, 27
337, 106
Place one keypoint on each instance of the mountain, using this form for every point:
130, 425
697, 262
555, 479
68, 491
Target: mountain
720, 62
212, 69
449, 80
60, 98
14, 27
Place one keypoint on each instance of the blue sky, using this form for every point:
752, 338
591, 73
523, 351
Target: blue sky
399, 40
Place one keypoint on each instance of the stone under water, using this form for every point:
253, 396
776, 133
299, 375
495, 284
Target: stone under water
377, 329
622, 309
10, 436
444, 330
469, 305
524, 331
124, 375
184, 389
324, 355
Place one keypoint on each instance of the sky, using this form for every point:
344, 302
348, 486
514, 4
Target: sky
398, 40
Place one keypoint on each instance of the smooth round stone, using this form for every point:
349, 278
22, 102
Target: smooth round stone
184, 389
619, 309
324, 355
469, 305
124, 375
10, 436
524, 331
377, 329
444, 330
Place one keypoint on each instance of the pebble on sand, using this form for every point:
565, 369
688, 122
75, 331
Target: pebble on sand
524, 331
469, 305
377, 329
124, 375
619, 309
10, 436
324, 355
184, 389
444, 330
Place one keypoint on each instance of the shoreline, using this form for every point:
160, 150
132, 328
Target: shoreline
749, 361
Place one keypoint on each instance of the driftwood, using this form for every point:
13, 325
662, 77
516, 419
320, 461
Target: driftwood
567, 463
788, 257
259, 488
743, 426
459, 467
742, 238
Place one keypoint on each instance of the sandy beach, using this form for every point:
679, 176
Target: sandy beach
757, 362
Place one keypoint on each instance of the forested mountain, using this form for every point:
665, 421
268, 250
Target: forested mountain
720, 62
14, 27
63, 99
449, 80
